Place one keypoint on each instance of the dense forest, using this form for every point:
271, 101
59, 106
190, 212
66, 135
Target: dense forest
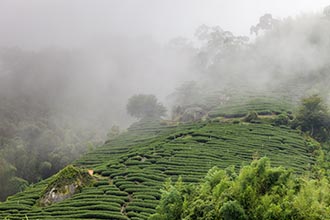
36, 139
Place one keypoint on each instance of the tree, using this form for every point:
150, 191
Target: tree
266, 22
189, 93
9, 183
313, 117
114, 132
258, 192
326, 11
217, 44
232, 210
145, 106
171, 205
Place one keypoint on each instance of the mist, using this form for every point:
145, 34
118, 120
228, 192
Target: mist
67, 68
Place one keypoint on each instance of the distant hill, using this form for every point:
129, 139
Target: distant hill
130, 169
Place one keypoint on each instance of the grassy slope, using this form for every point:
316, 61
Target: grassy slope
132, 168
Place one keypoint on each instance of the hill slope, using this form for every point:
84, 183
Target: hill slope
131, 168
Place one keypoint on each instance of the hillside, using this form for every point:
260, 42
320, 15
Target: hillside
130, 169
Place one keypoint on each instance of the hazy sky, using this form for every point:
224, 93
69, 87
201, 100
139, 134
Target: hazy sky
44, 23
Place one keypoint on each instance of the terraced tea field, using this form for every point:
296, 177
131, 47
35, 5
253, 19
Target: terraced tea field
131, 169
240, 107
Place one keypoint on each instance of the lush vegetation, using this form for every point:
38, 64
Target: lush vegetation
233, 126
145, 106
313, 117
33, 146
258, 191
64, 184
131, 168
41, 129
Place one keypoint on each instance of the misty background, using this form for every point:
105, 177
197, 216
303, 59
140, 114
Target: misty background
47, 23
67, 68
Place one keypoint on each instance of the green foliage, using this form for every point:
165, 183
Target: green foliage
45, 168
145, 106
68, 175
9, 183
313, 200
232, 210
34, 146
251, 117
258, 191
313, 117
242, 103
281, 119
170, 207
68, 181
130, 169
39, 124
312, 145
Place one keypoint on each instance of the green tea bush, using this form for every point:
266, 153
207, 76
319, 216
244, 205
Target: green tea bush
281, 119
251, 116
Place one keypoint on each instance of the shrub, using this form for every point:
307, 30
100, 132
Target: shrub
281, 119
232, 210
251, 117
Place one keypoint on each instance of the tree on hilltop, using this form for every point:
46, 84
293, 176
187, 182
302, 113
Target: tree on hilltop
145, 106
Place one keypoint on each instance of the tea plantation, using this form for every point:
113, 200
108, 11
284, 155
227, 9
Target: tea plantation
130, 169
